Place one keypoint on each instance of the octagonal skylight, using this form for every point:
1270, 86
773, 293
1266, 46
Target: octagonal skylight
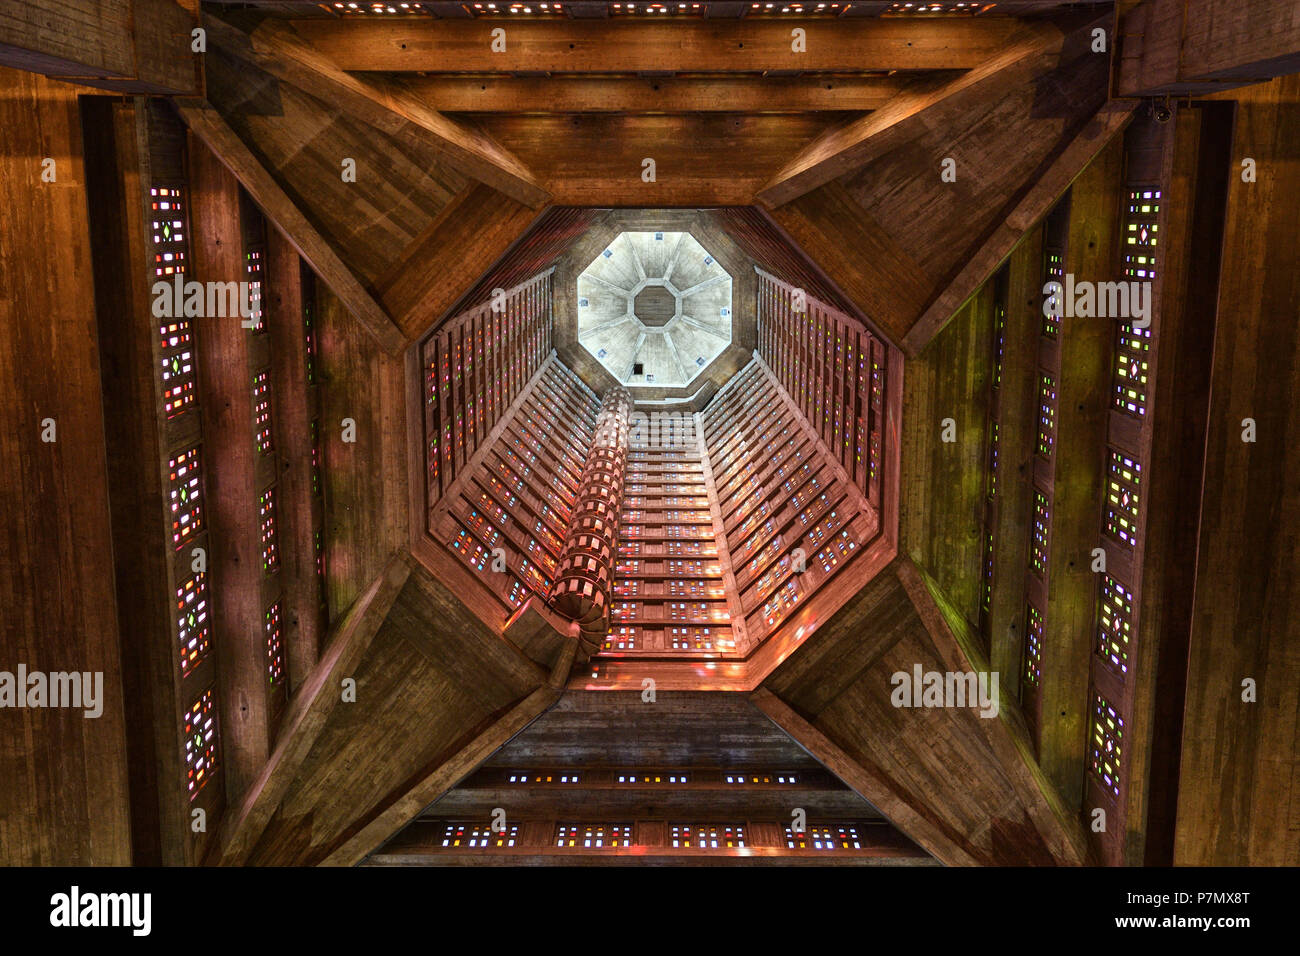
654, 308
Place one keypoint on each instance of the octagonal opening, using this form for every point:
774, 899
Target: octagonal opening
654, 306
657, 302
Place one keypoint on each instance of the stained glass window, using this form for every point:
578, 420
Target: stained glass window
1038, 543
270, 539
1046, 414
651, 777
841, 546
994, 440
706, 836
621, 639
200, 742
169, 233
986, 591
1033, 664
185, 495
274, 644
479, 837
1106, 743
1132, 361
262, 411
1123, 481
761, 779
999, 341
533, 578
1054, 271
178, 372
167, 225
1114, 623
594, 836
475, 554
316, 484
543, 777
253, 266
776, 608
1140, 228
193, 628
841, 837
690, 638
938, 6
309, 333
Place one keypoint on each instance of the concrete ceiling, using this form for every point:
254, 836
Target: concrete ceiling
654, 308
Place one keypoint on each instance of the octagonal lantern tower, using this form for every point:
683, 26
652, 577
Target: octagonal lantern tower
654, 308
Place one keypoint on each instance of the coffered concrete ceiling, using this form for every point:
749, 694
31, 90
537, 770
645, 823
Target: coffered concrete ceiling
654, 308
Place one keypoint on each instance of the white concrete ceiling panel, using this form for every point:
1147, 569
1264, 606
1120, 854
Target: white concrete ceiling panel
684, 293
